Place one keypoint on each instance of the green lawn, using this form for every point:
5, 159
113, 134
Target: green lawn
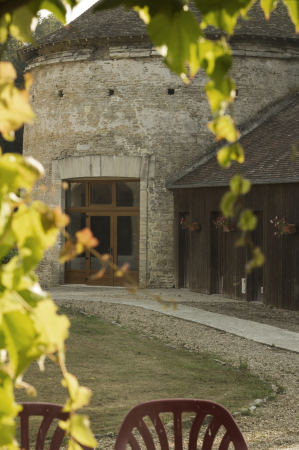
123, 368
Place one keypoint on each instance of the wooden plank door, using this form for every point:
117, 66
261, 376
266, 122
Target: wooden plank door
216, 256
255, 280
102, 227
183, 254
258, 285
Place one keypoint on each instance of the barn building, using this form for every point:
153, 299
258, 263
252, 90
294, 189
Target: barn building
121, 129
207, 260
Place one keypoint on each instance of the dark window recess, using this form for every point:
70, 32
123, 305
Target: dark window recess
237, 92
170, 91
60, 93
111, 92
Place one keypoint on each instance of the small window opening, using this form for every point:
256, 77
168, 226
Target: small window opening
60, 93
237, 92
111, 92
170, 91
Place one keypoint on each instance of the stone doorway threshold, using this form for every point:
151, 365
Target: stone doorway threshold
258, 332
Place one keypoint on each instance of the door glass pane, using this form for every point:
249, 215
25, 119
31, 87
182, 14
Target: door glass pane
128, 194
100, 227
78, 222
76, 194
101, 194
127, 241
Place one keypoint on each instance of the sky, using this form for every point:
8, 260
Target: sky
79, 9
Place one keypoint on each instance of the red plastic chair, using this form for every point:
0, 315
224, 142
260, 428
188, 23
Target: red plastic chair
49, 412
201, 408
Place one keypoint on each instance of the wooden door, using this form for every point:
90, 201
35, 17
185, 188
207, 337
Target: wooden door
102, 227
254, 281
183, 254
75, 270
216, 256
258, 274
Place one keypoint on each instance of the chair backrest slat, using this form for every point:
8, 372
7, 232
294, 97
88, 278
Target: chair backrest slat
43, 431
210, 434
57, 439
177, 428
24, 432
226, 440
160, 430
146, 434
195, 429
133, 443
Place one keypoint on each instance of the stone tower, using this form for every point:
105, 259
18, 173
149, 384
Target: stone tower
108, 109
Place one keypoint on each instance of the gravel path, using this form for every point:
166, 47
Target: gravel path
280, 318
275, 425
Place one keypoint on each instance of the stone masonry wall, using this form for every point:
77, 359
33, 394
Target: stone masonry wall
139, 119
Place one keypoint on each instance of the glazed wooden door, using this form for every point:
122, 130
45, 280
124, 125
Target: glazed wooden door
126, 244
110, 208
101, 225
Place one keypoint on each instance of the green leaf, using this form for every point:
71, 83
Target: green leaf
18, 172
56, 7
72, 445
228, 153
21, 340
237, 153
177, 38
247, 220
220, 94
223, 127
20, 27
227, 204
79, 396
81, 431
239, 185
11, 273
293, 8
8, 407
4, 27
34, 234
258, 260
223, 157
268, 6
215, 59
52, 328
14, 103
222, 13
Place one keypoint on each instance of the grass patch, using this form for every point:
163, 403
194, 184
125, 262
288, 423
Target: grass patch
123, 368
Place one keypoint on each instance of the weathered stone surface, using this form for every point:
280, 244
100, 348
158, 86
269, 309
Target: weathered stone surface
140, 131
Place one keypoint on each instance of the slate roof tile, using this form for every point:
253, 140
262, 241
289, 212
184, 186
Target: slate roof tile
268, 150
122, 22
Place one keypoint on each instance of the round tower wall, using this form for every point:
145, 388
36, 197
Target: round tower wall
93, 104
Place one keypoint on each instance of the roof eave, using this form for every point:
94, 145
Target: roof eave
226, 184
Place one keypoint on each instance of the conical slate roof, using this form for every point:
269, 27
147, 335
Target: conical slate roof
120, 22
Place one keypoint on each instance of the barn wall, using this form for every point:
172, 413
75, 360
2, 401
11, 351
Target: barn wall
281, 270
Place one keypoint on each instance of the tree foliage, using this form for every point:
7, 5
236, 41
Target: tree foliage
45, 25
30, 327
